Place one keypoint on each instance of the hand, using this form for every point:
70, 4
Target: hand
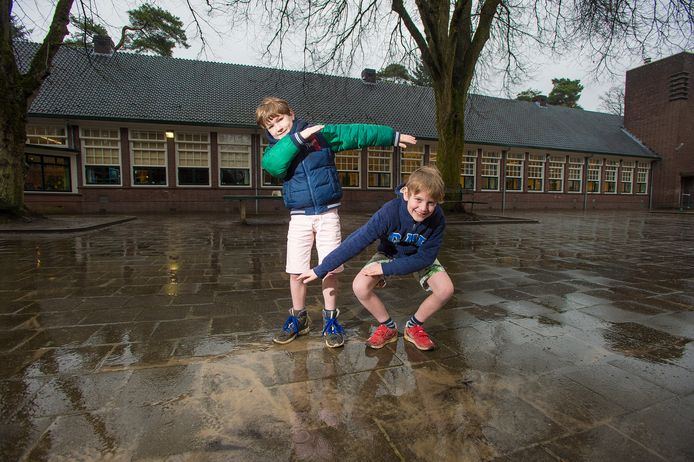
406, 139
373, 270
307, 132
307, 276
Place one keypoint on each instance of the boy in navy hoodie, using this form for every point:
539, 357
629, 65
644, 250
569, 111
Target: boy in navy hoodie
410, 228
303, 157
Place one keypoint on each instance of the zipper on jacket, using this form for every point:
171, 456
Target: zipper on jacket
310, 184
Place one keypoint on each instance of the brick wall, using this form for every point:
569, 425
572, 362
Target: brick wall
656, 112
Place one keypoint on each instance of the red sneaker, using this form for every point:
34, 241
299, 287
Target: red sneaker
421, 340
382, 336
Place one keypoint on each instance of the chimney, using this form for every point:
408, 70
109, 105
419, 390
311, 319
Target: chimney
368, 76
103, 45
540, 100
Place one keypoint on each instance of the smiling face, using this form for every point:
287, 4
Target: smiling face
420, 205
280, 125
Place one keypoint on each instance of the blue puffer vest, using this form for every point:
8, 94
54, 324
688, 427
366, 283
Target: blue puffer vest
312, 185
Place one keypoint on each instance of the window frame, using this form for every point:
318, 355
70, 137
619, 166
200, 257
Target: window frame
132, 139
85, 146
610, 167
468, 168
642, 168
627, 168
351, 157
385, 154
236, 140
554, 163
404, 153
536, 162
64, 136
516, 161
575, 164
597, 165
490, 159
177, 144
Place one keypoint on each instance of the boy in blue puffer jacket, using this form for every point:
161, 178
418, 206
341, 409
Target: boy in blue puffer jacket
410, 229
303, 157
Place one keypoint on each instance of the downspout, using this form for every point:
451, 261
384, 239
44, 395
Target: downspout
502, 174
585, 183
650, 184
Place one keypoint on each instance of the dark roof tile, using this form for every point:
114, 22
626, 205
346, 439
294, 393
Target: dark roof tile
128, 86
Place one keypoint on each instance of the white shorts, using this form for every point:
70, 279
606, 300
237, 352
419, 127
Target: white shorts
303, 230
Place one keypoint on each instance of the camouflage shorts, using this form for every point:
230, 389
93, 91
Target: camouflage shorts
422, 275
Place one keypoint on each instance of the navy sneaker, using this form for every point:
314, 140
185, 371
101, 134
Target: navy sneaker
293, 327
332, 331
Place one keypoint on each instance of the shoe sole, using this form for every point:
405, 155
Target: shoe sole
411, 340
378, 347
301, 332
334, 346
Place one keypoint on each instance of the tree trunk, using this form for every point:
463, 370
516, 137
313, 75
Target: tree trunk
450, 123
13, 112
17, 90
12, 158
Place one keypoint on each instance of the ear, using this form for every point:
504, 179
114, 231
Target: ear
405, 193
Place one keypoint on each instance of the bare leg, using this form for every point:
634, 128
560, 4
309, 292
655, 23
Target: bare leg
363, 287
441, 291
329, 291
298, 291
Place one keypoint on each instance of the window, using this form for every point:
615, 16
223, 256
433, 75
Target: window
490, 171
642, 169
514, 171
468, 169
101, 154
47, 173
536, 172
575, 174
432, 154
610, 184
268, 180
50, 135
193, 159
148, 150
593, 176
627, 177
349, 168
556, 173
410, 160
234, 159
380, 167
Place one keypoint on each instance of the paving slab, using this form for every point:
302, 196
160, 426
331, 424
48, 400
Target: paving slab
570, 336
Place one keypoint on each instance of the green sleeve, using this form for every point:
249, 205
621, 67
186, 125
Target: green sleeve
342, 137
278, 158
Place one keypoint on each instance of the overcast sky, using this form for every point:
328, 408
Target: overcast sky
242, 44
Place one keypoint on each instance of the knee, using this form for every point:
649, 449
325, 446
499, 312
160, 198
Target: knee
444, 292
360, 288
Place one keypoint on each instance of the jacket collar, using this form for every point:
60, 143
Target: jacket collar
297, 126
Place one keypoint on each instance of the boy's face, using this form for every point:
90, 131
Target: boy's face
420, 205
280, 125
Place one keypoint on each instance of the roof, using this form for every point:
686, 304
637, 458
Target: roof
143, 88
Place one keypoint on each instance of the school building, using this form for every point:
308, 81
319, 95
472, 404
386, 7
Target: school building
122, 132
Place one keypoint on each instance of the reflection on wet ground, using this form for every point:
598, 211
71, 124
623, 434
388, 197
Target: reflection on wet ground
569, 339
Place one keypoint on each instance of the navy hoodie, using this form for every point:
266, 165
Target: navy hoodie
412, 245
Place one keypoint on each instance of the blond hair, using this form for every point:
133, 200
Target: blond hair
270, 108
427, 179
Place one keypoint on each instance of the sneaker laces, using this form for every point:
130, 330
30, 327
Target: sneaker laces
382, 331
332, 327
291, 324
419, 332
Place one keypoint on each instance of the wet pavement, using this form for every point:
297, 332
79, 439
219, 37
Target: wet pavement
568, 339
